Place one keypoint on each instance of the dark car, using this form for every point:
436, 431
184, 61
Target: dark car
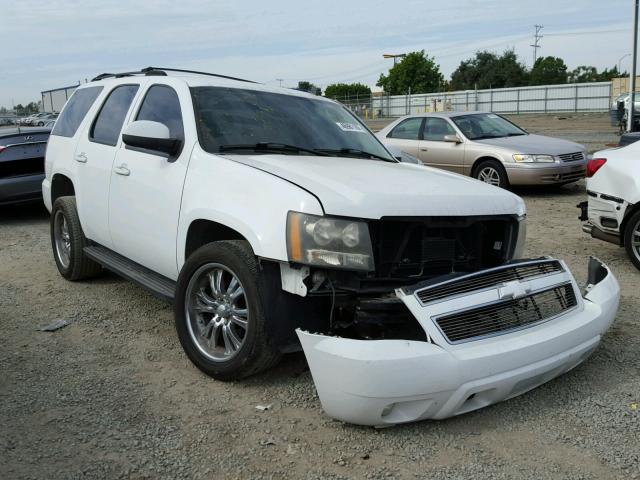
22, 164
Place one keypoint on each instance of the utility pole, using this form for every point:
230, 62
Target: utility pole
536, 42
395, 56
280, 80
634, 57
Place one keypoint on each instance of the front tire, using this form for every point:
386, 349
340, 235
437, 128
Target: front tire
68, 242
632, 239
219, 313
491, 172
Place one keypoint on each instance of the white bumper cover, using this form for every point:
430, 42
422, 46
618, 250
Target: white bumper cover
385, 382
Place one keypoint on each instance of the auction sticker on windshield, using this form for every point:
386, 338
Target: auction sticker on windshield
350, 127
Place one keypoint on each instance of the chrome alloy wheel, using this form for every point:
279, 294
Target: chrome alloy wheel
489, 175
62, 239
635, 240
217, 312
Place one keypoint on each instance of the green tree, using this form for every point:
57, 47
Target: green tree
607, 74
548, 71
583, 73
488, 70
416, 72
305, 86
340, 91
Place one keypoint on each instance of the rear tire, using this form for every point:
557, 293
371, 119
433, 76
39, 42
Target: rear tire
68, 242
632, 239
491, 172
219, 312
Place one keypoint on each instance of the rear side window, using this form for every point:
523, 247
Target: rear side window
408, 129
75, 111
161, 104
107, 125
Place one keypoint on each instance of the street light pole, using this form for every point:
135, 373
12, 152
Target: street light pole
395, 56
632, 89
620, 62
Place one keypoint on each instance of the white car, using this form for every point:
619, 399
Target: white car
263, 213
612, 210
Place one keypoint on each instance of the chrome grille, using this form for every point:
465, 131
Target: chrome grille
487, 279
571, 157
503, 317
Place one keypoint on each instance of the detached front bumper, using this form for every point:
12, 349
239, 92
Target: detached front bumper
385, 382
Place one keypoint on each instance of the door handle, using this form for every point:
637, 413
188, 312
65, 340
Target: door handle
122, 170
81, 157
424, 149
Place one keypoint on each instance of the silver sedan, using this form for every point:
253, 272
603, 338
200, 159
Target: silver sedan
486, 146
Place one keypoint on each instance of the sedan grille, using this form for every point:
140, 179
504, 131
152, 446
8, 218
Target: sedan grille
488, 279
571, 157
503, 317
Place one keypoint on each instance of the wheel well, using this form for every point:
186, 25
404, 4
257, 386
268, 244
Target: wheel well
202, 232
480, 160
61, 186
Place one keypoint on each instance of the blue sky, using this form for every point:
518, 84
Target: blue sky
52, 43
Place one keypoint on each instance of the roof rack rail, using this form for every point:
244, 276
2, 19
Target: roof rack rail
162, 71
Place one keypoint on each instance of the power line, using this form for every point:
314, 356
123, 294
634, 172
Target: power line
536, 42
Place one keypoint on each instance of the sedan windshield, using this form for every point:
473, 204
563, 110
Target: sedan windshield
232, 120
486, 125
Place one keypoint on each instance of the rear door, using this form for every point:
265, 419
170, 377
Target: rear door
146, 186
435, 152
94, 156
406, 135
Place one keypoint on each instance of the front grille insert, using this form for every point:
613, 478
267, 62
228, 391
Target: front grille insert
571, 157
503, 317
488, 279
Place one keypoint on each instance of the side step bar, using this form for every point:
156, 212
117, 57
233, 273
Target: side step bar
160, 286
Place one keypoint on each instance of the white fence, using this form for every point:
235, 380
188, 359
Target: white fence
576, 97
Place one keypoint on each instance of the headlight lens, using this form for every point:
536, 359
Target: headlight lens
329, 242
518, 157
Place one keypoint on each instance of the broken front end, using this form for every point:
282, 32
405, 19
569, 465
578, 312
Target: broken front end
445, 322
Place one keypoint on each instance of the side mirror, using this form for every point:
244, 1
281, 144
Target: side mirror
452, 139
150, 136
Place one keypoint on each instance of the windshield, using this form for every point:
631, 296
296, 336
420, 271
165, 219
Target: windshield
486, 125
229, 118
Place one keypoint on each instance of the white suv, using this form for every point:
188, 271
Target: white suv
261, 212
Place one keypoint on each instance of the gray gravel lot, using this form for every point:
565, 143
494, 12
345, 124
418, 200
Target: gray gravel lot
113, 396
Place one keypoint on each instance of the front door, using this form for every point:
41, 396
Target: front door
146, 189
435, 151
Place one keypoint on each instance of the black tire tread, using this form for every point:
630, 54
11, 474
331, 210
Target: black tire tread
633, 221
80, 266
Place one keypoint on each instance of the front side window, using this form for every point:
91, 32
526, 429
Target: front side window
75, 110
486, 125
408, 129
233, 117
436, 128
107, 125
161, 104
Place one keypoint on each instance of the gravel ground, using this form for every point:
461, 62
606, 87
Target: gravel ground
111, 395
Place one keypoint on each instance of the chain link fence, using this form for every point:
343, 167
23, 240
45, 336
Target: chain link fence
576, 97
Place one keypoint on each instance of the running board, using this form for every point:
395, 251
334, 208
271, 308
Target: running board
160, 286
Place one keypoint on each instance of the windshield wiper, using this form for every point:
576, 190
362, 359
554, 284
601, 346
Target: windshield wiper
356, 152
515, 134
271, 147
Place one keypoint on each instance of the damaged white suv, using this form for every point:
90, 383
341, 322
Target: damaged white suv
261, 212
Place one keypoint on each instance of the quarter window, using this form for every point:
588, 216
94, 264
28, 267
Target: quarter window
436, 128
75, 110
107, 125
161, 104
408, 129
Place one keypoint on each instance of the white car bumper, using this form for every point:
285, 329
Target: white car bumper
385, 382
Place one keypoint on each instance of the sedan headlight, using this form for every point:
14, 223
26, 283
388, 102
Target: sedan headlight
329, 242
518, 157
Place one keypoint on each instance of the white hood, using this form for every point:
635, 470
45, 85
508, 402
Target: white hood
356, 187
